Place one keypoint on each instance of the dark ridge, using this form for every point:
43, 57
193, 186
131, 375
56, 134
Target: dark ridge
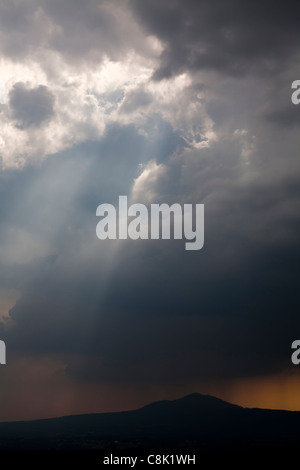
190, 423
194, 401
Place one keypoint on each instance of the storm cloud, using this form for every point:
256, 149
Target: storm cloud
232, 37
165, 102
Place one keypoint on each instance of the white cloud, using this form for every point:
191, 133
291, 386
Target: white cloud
144, 185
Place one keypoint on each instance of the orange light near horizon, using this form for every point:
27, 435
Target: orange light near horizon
278, 391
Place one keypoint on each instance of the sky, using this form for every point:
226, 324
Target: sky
165, 102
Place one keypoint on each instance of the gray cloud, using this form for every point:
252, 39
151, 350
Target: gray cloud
136, 99
31, 107
81, 33
232, 37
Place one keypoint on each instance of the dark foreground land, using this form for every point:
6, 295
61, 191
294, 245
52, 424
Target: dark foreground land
194, 423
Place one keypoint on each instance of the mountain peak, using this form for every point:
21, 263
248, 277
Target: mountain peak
191, 402
199, 398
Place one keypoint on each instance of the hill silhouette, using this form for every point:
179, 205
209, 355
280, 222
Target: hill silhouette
194, 422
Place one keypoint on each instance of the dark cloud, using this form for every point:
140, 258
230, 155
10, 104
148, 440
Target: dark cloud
31, 107
287, 116
150, 312
279, 109
232, 37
